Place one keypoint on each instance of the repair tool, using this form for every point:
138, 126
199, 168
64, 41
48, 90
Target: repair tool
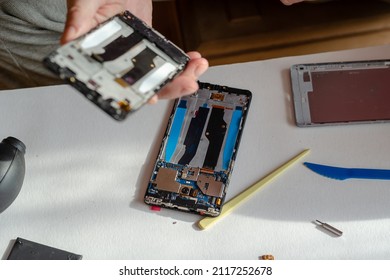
340, 173
329, 228
245, 195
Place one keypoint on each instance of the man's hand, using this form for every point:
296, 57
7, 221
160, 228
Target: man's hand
83, 15
186, 82
290, 2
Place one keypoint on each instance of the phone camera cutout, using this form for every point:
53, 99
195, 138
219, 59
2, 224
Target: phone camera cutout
185, 190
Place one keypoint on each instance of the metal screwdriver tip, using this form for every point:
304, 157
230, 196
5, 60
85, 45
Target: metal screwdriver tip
330, 228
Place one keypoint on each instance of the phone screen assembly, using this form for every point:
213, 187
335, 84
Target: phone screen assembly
341, 92
119, 65
198, 151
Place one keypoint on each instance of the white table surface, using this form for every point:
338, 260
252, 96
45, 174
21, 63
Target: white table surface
87, 174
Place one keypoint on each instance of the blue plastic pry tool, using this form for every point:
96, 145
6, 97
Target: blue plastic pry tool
340, 173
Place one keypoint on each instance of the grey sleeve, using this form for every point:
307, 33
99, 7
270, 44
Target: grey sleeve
30, 30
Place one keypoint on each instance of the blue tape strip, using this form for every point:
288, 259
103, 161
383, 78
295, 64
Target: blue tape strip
231, 137
174, 134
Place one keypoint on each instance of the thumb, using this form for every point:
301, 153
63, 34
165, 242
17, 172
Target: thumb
79, 19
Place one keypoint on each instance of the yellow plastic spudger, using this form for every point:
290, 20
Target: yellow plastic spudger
245, 195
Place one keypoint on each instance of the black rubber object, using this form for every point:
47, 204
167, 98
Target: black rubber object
12, 170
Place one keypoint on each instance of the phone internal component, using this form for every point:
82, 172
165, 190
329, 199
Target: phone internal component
119, 65
341, 92
197, 155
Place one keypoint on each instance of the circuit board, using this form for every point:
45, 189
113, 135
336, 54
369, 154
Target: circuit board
198, 152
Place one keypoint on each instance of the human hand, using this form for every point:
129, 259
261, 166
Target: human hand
83, 15
290, 2
186, 82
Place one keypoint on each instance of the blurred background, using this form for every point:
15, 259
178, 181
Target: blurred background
231, 31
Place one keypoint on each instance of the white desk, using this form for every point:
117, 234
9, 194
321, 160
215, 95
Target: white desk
87, 174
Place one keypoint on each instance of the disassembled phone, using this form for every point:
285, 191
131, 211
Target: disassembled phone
119, 65
341, 92
198, 151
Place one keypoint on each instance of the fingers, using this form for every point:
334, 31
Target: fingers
84, 15
78, 20
141, 8
290, 2
186, 83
